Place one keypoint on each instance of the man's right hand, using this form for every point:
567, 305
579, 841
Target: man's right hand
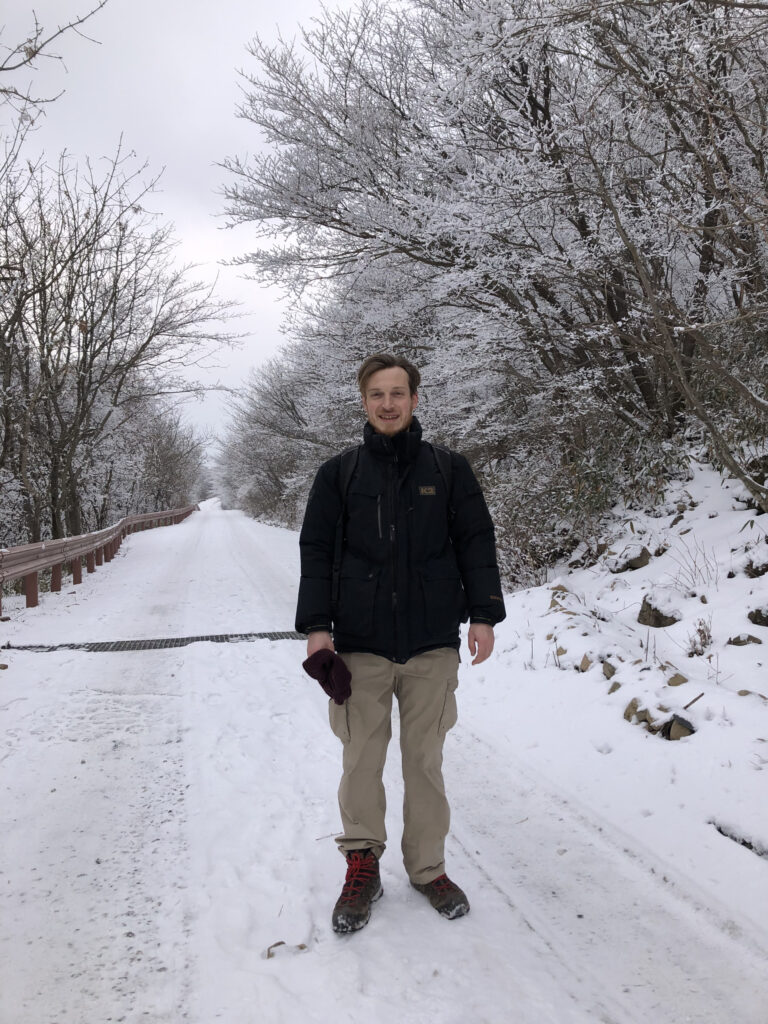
319, 640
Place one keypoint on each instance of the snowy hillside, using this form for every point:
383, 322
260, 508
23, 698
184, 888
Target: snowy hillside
168, 816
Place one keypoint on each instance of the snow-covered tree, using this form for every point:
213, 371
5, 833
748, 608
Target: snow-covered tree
95, 321
559, 205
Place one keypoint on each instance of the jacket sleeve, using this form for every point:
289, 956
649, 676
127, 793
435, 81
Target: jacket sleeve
474, 541
316, 545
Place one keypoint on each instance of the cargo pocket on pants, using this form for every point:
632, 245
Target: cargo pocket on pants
450, 712
339, 719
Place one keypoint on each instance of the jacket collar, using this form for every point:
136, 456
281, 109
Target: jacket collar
405, 445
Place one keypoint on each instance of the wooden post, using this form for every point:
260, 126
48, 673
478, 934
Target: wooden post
55, 578
30, 589
99, 556
90, 562
77, 570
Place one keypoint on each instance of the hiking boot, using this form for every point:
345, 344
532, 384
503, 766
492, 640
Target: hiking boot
445, 896
362, 887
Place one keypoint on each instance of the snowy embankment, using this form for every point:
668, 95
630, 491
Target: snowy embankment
168, 816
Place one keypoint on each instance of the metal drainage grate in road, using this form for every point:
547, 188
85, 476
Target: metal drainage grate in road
155, 645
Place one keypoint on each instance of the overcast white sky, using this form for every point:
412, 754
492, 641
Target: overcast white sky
163, 73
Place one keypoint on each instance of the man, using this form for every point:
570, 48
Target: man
397, 548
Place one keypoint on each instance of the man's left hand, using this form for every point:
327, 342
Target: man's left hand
480, 641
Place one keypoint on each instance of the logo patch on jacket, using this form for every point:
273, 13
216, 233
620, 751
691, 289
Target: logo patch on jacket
428, 491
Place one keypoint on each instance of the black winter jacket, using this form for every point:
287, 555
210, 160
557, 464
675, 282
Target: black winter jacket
415, 561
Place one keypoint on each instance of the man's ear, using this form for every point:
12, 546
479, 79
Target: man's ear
415, 402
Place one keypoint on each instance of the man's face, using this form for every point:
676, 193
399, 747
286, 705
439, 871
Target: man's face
388, 401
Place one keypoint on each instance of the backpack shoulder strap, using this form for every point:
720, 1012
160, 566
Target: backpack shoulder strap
347, 465
444, 466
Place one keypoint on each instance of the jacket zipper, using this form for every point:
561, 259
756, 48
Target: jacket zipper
392, 488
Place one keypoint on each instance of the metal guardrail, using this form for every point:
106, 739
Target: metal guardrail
28, 560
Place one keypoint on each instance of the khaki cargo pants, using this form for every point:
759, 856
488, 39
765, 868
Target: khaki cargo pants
425, 688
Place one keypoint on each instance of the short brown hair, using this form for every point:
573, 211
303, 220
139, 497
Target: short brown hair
386, 361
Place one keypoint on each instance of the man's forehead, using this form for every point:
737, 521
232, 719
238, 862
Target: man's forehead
391, 377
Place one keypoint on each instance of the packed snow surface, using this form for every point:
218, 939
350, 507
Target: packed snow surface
168, 816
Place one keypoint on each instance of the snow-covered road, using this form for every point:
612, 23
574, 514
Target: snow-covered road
168, 819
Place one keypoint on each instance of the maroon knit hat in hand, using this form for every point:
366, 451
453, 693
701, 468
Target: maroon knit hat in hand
330, 671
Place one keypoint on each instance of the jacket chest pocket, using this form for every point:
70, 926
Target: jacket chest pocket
366, 518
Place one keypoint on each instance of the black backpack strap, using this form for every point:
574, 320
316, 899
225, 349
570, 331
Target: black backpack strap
347, 465
445, 469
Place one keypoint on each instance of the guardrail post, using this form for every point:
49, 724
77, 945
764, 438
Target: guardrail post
56, 577
90, 562
99, 556
77, 570
30, 589
108, 551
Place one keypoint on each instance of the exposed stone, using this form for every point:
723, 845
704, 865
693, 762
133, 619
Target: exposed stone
3, 666
561, 651
585, 664
631, 709
633, 559
642, 716
677, 728
615, 685
678, 519
650, 616
759, 616
677, 679
743, 639
608, 670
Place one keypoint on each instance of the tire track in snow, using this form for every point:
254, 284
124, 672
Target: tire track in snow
607, 911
